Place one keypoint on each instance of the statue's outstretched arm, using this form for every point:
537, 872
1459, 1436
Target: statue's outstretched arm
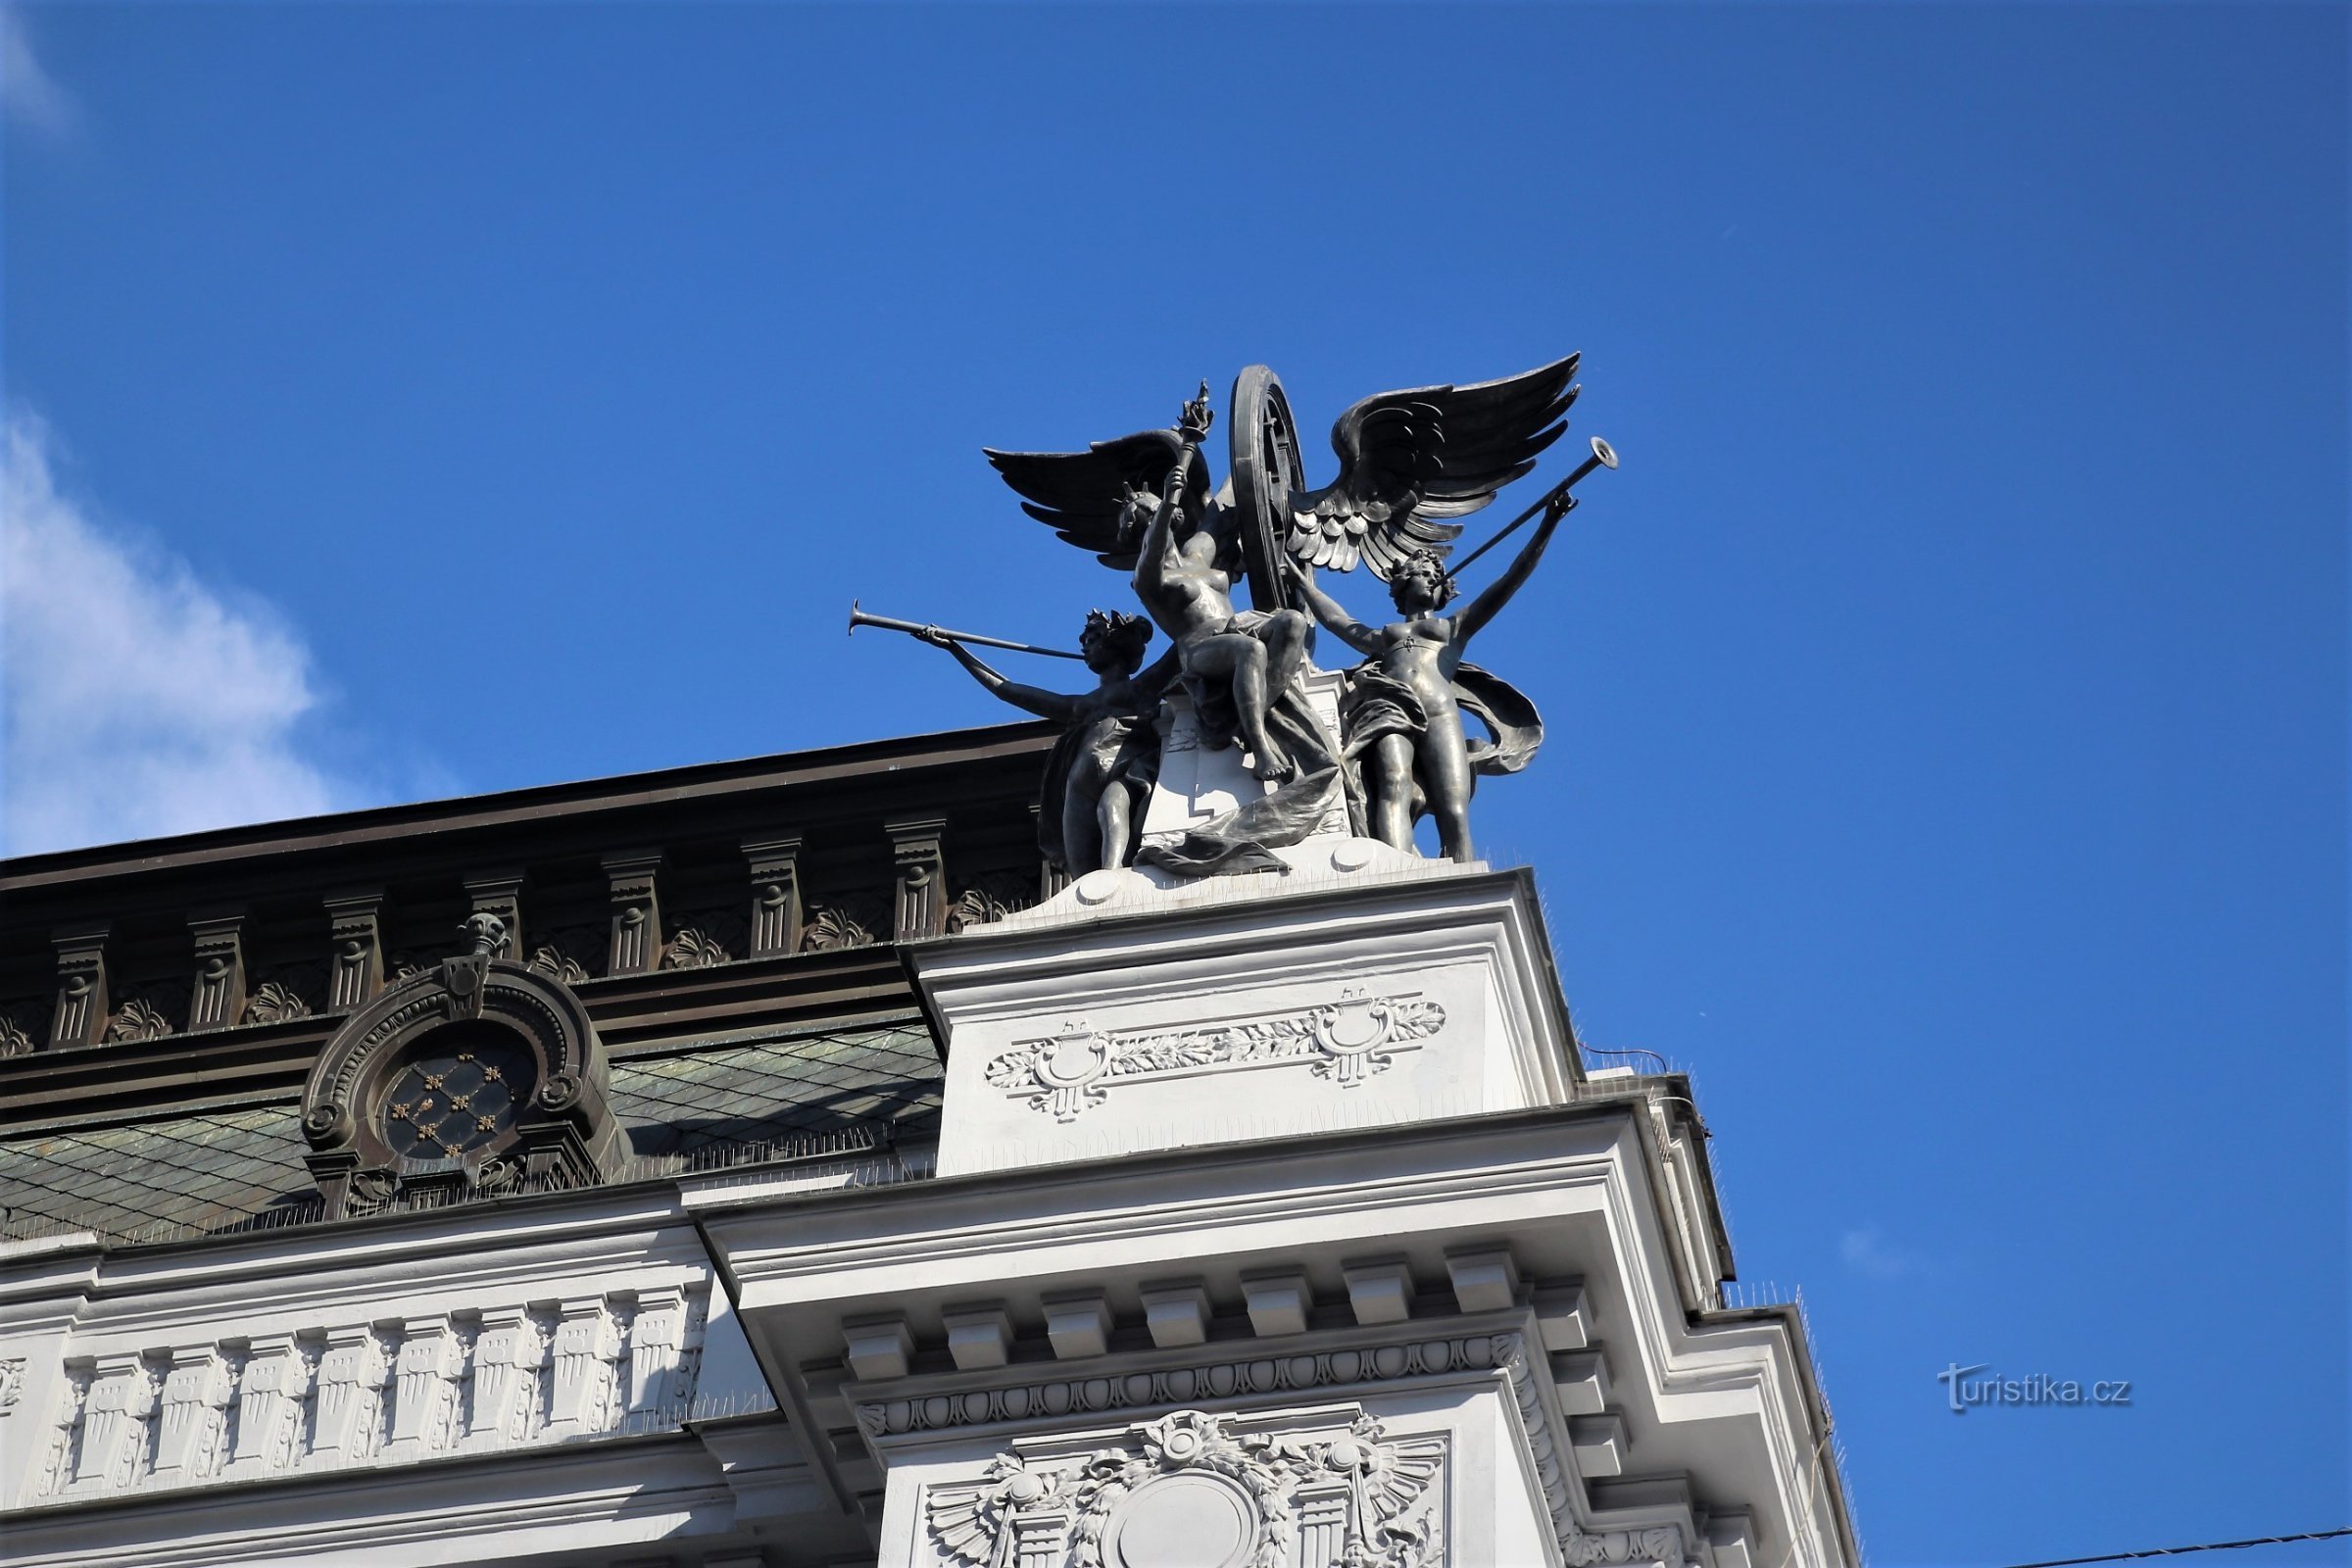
1044, 703
1473, 616
1330, 612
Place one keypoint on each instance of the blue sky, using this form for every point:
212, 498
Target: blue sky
1947, 760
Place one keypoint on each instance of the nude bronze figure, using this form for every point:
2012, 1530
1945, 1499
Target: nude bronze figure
1404, 709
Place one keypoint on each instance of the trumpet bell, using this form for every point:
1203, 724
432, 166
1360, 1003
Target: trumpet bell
1603, 452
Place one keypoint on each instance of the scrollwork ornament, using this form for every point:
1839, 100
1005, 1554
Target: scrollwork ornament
1355, 1493
374, 1184
140, 1019
556, 967
274, 1003
693, 949
498, 1174
1346, 1041
1658, 1543
13, 1041
848, 923
327, 1123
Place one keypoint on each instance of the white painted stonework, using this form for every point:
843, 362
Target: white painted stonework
1273, 1223
164, 1380
1260, 1005
1197, 782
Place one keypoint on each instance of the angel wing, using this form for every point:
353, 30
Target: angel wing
1410, 460
1082, 495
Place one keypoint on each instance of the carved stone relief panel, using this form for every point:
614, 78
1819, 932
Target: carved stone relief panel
1194, 1489
1347, 1040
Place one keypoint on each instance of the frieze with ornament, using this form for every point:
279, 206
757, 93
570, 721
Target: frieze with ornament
1346, 1041
1239, 1378
1219, 1493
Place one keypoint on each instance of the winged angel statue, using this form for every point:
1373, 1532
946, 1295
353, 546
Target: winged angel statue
1411, 464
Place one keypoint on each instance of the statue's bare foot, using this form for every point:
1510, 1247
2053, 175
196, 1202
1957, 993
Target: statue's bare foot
1273, 764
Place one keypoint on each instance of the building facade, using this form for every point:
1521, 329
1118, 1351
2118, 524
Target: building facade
774, 1163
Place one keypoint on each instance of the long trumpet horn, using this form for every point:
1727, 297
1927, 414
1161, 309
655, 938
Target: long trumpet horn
1603, 456
858, 617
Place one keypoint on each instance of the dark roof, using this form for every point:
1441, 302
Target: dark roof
897, 773
208, 1170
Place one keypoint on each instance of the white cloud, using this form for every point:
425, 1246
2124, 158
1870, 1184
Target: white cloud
139, 700
30, 96
1867, 1252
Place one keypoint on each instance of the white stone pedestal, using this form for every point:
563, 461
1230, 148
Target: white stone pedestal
1198, 783
1362, 987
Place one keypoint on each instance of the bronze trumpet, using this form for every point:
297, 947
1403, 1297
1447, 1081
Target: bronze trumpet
1604, 456
858, 617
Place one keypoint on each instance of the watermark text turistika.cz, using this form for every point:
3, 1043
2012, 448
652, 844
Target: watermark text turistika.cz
1965, 1390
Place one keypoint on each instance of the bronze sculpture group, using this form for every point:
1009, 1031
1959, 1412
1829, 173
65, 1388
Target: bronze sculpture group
1410, 463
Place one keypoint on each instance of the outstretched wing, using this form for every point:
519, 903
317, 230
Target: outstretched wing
1408, 460
1080, 493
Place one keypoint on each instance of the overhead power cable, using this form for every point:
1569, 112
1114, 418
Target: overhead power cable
2175, 1552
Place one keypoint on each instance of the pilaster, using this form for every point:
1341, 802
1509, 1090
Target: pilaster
269, 1399
359, 948
587, 1344
424, 1378
775, 894
82, 998
195, 1407
219, 999
636, 912
352, 1376
918, 869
